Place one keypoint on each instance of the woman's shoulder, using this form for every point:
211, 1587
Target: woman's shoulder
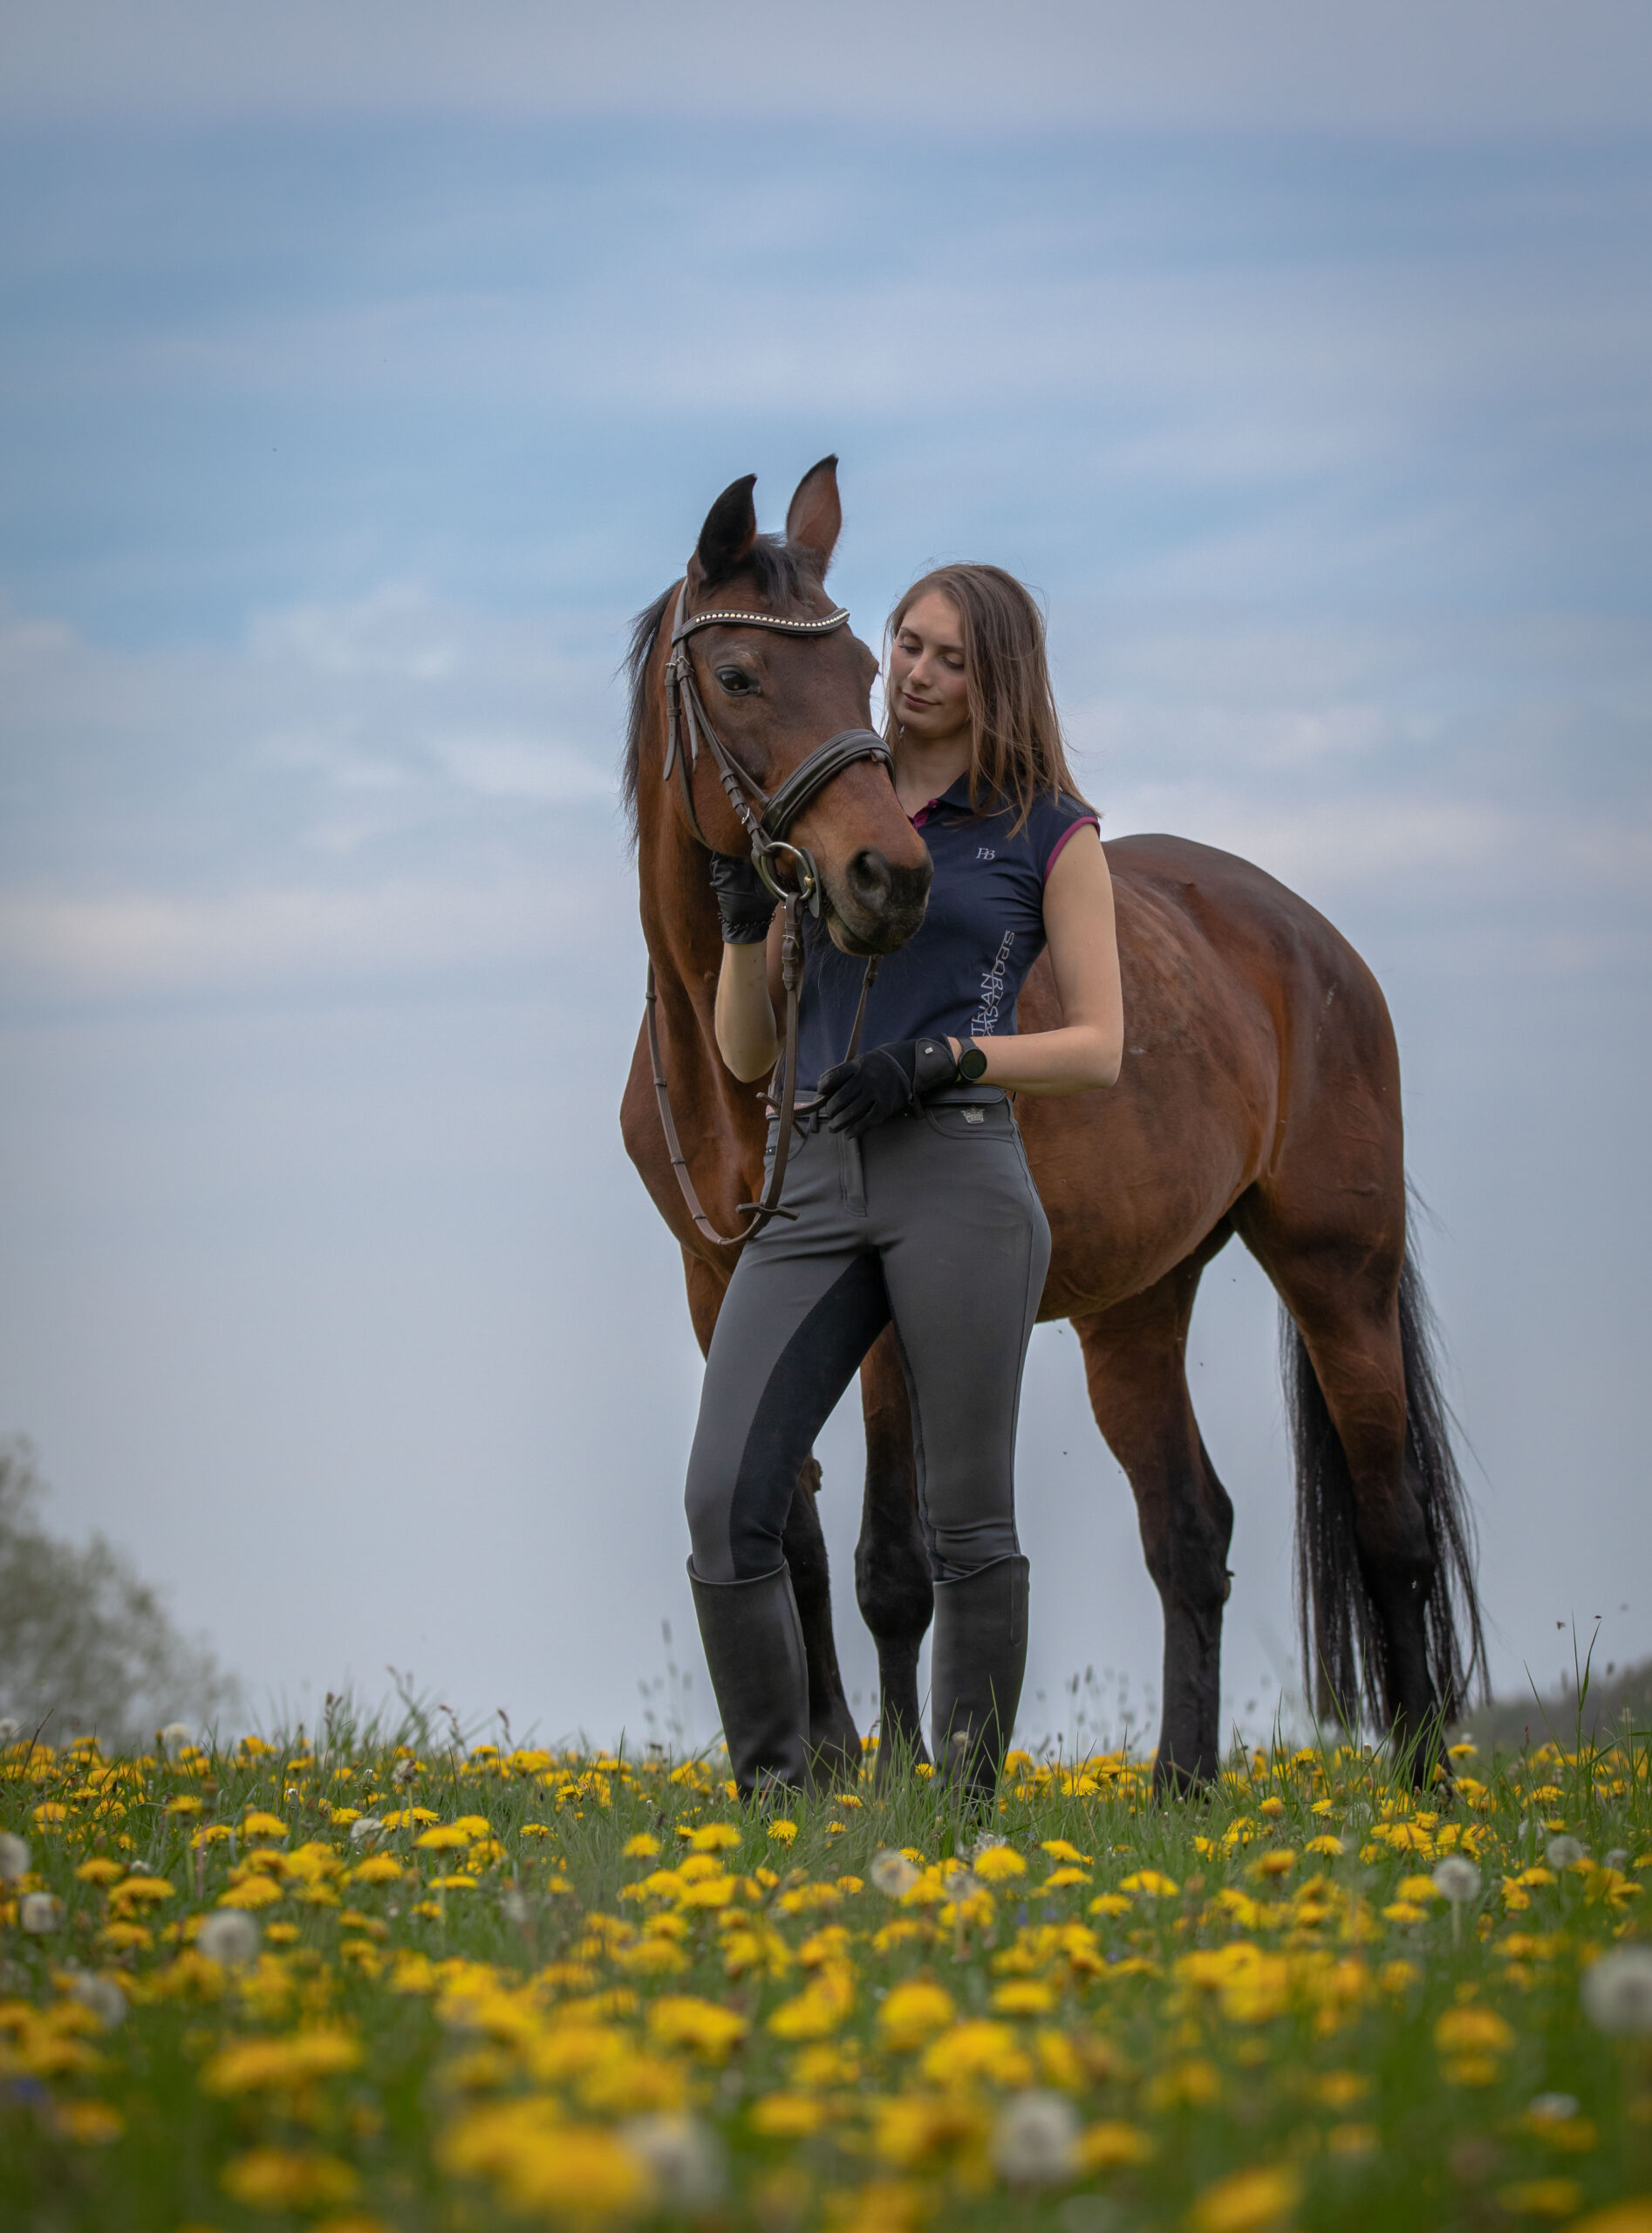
1053, 818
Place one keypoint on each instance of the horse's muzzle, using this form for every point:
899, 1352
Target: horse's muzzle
875, 906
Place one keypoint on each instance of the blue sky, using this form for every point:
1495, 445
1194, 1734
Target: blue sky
343, 422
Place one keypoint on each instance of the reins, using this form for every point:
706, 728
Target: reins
767, 819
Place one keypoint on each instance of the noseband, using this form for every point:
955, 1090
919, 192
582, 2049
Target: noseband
767, 820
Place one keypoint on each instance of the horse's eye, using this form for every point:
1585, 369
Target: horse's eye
734, 681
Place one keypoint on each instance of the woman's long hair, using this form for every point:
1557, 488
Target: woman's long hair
1018, 750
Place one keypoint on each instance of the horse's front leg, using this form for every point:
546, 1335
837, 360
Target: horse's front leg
891, 1567
834, 1740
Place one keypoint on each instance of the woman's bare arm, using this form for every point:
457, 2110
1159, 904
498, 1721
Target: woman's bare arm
1087, 1048
748, 1036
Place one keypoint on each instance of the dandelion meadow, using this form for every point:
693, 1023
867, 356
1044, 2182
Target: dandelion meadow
378, 1985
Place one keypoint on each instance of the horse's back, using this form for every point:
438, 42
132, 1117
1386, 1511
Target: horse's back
1242, 1004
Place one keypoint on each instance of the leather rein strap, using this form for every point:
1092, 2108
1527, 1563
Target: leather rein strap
767, 821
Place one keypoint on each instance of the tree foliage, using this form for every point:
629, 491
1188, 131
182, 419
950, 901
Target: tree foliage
85, 1642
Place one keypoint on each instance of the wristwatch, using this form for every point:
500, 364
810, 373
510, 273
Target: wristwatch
972, 1060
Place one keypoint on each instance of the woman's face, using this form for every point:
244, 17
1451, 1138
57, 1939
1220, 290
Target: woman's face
928, 688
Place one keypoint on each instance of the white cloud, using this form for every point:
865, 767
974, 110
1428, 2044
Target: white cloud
1452, 67
148, 943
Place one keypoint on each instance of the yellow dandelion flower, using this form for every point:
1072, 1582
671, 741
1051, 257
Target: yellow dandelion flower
277, 2178
1109, 2146
1192, 2085
782, 1831
1353, 2139
446, 1837
978, 2049
1151, 1883
910, 2127
912, 2013
259, 2066
1248, 2202
262, 1826
681, 2020
252, 1892
99, 1871
788, 2116
641, 1848
1634, 2217
999, 1865
1542, 2198
1059, 1849
817, 2012
89, 2124
713, 1837
142, 1891
1024, 1997
1473, 2030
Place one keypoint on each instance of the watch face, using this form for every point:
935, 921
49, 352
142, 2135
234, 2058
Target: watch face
971, 1064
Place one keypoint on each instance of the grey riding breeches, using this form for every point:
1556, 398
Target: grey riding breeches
930, 1223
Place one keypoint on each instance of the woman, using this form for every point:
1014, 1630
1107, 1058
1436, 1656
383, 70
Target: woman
912, 1198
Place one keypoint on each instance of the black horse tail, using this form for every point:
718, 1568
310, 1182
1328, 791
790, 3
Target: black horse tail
1343, 1654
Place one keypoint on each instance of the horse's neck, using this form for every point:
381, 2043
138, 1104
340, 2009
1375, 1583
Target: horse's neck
685, 941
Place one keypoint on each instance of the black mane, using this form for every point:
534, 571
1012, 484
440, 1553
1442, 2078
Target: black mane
781, 578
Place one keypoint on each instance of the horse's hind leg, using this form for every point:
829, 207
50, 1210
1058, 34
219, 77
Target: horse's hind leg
891, 1568
1368, 1569
1135, 1358
833, 1739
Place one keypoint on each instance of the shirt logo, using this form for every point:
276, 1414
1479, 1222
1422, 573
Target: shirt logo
984, 1023
985, 853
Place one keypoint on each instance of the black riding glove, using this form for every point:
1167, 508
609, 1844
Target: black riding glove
883, 1081
744, 901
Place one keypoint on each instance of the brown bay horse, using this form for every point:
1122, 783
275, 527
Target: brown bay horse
1260, 1095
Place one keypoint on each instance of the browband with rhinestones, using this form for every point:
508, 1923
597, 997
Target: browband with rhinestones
760, 620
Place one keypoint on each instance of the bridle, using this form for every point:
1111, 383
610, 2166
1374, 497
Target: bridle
768, 819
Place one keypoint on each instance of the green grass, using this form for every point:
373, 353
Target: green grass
1203, 2023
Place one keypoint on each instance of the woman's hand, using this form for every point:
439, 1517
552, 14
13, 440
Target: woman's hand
883, 1081
744, 901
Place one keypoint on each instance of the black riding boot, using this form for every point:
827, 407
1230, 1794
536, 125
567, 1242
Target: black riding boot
977, 1655
753, 1643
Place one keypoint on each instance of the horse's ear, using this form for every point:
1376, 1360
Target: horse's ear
729, 532
816, 517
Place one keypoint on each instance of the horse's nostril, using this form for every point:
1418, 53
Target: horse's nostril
870, 879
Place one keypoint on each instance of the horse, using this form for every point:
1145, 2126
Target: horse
1259, 1096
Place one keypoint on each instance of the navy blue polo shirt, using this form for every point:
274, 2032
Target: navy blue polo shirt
959, 975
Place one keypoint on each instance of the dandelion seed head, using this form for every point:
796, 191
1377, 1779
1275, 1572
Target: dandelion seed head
683, 2157
1617, 1991
102, 1996
512, 1905
228, 1937
1456, 1879
175, 1736
891, 1873
1553, 2108
1563, 1852
365, 1829
14, 1858
10, 1729
40, 1912
1036, 2139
